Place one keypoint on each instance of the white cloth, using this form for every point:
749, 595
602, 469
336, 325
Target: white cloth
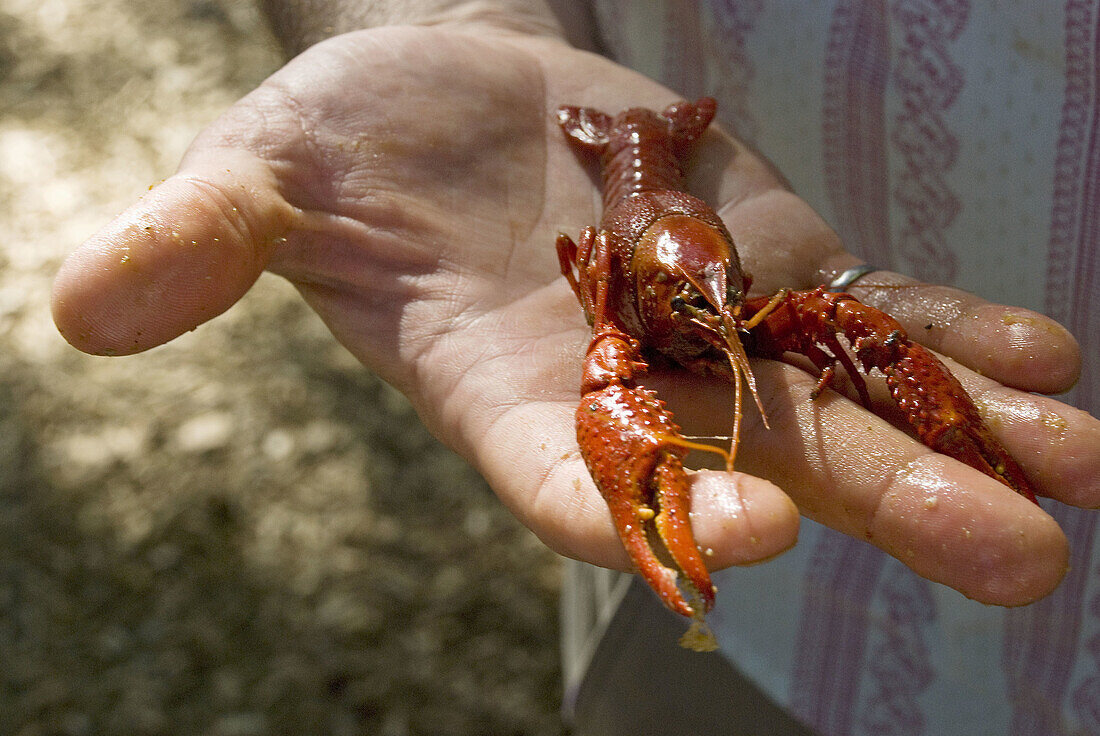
958, 142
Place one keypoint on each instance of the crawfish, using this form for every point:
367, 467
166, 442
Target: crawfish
661, 275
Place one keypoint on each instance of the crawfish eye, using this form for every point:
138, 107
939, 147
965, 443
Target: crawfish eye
696, 300
689, 302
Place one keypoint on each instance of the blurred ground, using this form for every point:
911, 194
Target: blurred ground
242, 532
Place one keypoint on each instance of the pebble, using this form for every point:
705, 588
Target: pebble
205, 432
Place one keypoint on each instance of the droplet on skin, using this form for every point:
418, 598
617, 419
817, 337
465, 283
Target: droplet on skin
931, 502
1013, 318
1054, 421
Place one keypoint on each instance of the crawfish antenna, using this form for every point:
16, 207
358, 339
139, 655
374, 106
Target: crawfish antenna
739, 363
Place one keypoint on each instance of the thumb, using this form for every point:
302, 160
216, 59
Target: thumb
183, 254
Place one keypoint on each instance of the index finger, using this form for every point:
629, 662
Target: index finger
1016, 346
784, 243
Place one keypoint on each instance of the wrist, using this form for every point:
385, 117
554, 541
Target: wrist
299, 24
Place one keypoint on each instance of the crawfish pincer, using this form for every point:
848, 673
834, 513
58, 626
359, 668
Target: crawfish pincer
661, 275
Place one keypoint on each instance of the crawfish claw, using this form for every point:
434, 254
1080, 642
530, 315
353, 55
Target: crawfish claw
933, 401
630, 445
945, 418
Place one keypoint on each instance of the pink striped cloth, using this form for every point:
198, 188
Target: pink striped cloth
958, 142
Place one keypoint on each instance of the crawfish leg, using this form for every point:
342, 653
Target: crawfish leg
572, 258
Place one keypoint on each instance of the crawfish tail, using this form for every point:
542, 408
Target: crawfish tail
639, 150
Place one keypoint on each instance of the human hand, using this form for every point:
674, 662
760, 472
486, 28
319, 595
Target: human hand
410, 182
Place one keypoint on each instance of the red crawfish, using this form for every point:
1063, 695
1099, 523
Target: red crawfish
661, 275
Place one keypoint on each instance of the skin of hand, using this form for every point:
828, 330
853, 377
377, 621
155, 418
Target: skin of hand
410, 181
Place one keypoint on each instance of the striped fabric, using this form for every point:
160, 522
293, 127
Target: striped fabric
958, 142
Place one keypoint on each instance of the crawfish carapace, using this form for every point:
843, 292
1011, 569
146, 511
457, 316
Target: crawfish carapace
661, 273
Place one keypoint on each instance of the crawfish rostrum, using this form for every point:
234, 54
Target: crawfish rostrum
661, 274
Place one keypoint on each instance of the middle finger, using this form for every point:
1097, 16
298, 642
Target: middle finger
855, 472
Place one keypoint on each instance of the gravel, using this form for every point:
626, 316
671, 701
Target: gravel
243, 532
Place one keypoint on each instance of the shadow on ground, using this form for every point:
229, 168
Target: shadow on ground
242, 532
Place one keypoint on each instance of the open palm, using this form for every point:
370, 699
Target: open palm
410, 182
